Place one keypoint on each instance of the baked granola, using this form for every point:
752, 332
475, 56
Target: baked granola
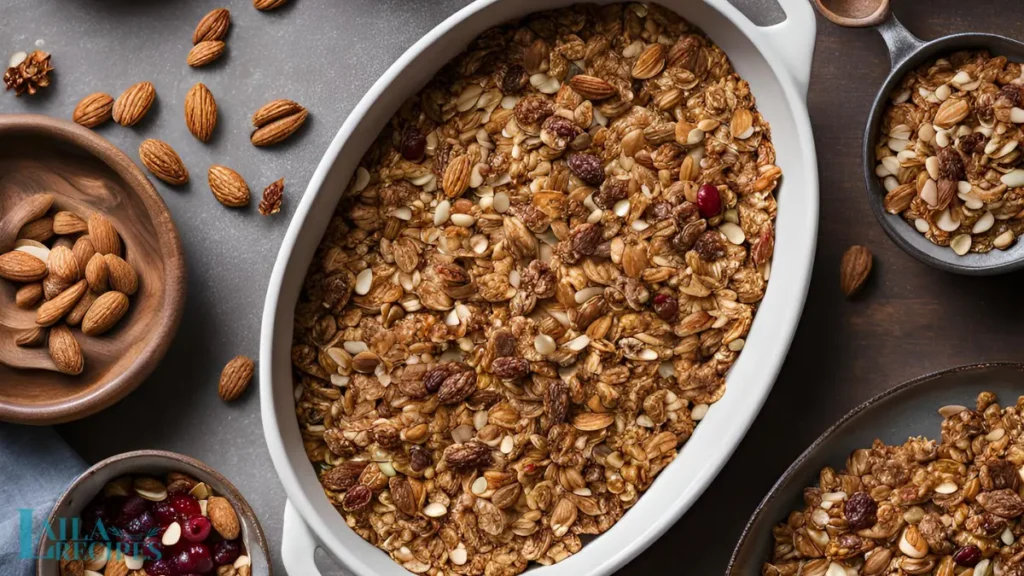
948, 151
534, 287
946, 508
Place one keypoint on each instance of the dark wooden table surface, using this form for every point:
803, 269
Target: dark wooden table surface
910, 319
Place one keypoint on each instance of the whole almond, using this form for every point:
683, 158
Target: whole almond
18, 266
53, 286
205, 52
591, 87
65, 351
83, 250
213, 26
278, 130
39, 230
93, 110
950, 112
650, 62
53, 310
223, 517
275, 110
121, 275
28, 295
65, 223
103, 235
74, 318
62, 265
200, 112
235, 378
133, 103
742, 124
116, 566
535, 56
31, 337
854, 270
97, 274
106, 312
267, 4
456, 176
228, 186
163, 161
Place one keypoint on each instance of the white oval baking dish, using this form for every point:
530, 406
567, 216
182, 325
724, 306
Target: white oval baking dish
776, 61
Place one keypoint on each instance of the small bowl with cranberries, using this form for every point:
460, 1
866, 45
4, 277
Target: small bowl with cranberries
152, 513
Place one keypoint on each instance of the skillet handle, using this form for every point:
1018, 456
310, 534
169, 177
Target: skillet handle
298, 545
793, 40
901, 42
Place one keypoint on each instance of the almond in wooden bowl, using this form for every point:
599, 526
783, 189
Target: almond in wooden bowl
105, 206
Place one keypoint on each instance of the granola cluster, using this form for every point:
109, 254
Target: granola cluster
951, 508
534, 287
948, 152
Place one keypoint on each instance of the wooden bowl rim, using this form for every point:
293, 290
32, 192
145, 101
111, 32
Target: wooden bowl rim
174, 277
232, 493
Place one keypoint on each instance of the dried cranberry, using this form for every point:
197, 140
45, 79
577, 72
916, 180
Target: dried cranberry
967, 556
226, 552
185, 507
196, 529
709, 201
131, 508
586, 167
513, 79
665, 306
164, 513
861, 511
710, 246
194, 558
414, 144
419, 458
161, 567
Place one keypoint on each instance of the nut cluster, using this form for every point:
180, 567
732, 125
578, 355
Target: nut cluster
533, 288
80, 279
946, 508
948, 153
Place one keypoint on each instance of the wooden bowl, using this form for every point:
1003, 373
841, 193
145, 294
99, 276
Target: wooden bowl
85, 173
154, 463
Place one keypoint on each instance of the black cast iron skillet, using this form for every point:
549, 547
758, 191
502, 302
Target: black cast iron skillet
908, 52
910, 409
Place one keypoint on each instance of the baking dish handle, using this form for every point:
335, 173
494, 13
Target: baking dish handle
793, 40
298, 545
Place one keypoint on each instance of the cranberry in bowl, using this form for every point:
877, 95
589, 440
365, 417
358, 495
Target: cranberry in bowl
155, 513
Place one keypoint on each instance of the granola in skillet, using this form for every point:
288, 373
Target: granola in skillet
534, 287
948, 152
947, 508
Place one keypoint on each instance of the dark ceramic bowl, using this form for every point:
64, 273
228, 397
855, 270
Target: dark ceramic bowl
910, 409
156, 463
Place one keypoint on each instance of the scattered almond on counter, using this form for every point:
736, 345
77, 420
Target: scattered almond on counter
200, 112
854, 270
235, 378
213, 26
228, 186
264, 5
93, 110
160, 159
277, 120
133, 103
205, 52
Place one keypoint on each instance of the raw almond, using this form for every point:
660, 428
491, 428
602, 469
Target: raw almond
97, 274
62, 265
213, 26
163, 161
83, 250
39, 230
223, 517
28, 295
65, 223
275, 110
456, 176
106, 312
18, 266
103, 235
53, 286
93, 110
591, 87
133, 103
267, 4
742, 124
74, 318
856, 266
650, 62
278, 130
53, 310
205, 52
228, 186
200, 112
121, 275
65, 351
235, 378
31, 337
116, 566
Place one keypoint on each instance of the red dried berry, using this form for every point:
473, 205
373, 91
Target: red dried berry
709, 202
967, 556
414, 144
356, 498
586, 167
666, 307
861, 511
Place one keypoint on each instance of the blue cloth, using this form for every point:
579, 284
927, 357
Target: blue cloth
36, 465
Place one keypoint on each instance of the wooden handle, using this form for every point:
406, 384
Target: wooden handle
854, 13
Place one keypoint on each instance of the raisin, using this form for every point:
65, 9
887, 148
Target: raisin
660, 211
971, 144
586, 167
457, 387
613, 190
585, 238
513, 79
462, 457
386, 435
509, 368
710, 246
414, 144
357, 498
666, 307
999, 474
438, 374
532, 109
951, 165
561, 127
1013, 94
419, 458
556, 401
861, 511
336, 290
967, 556
688, 236
504, 343
343, 476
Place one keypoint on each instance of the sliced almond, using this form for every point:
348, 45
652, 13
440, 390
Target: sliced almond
150, 488
171, 535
